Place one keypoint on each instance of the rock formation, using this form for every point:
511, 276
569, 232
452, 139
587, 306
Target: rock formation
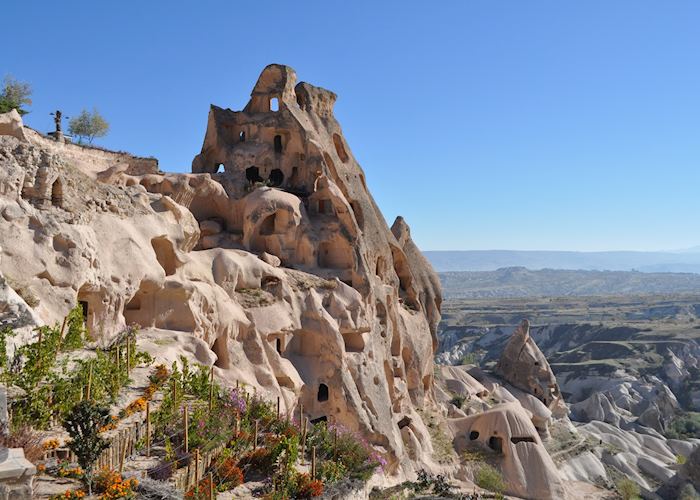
523, 365
271, 259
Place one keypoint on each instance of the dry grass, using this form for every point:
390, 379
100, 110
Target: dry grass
27, 438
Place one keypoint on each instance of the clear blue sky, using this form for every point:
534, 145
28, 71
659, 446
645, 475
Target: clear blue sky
487, 124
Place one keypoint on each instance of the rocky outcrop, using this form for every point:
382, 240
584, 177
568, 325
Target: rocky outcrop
523, 365
507, 430
271, 261
11, 124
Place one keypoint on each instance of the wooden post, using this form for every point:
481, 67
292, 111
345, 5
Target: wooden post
211, 486
89, 386
301, 414
313, 463
119, 358
187, 430
211, 389
335, 442
122, 457
255, 436
148, 428
196, 465
60, 336
278, 407
128, 355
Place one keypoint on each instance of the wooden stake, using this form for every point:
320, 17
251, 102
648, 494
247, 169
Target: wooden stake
196, 465
335, 442
278, 407
313, 463
211, 486
255, 436
63, 328
123, 455
187, 430
301, 413
148, 428
128, 355
89, 386
211, 389
119, 357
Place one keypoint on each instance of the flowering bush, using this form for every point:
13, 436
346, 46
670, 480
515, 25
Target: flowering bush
236, 401
68, 495
114, 420
306, 488
66, 470
112, 485
50, 444
226, 471
200, 491
134, 407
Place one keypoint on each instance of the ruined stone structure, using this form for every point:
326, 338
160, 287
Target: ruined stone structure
270, 261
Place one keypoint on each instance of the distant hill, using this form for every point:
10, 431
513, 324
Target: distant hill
490, 260
522, 282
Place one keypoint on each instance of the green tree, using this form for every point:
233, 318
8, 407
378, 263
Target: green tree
88, 126
15, 95
83, 424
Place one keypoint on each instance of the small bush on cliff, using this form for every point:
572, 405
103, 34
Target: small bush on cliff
628, 489
88, 126
489, 478
15, 95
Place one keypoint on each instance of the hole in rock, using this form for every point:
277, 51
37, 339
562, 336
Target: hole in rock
340, 148
165, 254
220, 348
318, 420
241, 136
57, 193
354, 342
322, 393
252, 174
278, 345
276, 177
404, 422
516, 440
134, 304
220, 168
268, 225
84, 306
474, 435
274, 104
278, 144
496, 444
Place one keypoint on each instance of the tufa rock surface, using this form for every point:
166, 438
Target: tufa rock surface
270, 261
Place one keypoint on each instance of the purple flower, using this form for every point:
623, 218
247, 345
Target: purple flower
237, 400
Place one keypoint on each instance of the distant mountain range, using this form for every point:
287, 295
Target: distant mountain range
687, 261
519, 282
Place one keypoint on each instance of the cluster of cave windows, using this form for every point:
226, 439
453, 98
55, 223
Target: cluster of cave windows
276, 178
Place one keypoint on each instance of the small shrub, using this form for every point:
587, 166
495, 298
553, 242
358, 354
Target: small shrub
489, 478
458, 401
306, 488
83, 424
331, 472
628, 489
